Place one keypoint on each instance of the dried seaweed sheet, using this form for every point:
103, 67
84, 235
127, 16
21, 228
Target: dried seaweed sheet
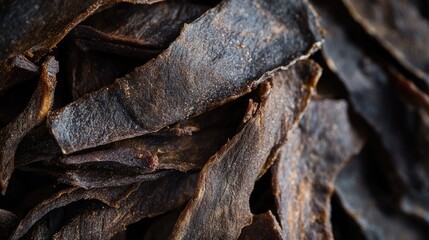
138, 31
400, 27
151, 199
372, 96
360, 203
36, 111
28, 34
110, 196
229, 54
90, 71
220, 206
304, 175
106, 176
264, 226
415, 203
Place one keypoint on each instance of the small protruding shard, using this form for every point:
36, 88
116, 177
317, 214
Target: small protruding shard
264, 226
109, 196
39, 106
361, 204
233, 45
400, 27
217, 213
8, 222
304, 174
29, 35
141, 31
152, 198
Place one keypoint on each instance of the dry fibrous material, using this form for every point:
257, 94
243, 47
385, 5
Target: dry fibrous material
233, 119
400, 26
197, 72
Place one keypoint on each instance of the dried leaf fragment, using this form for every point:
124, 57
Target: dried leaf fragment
36, 111
110, 196
229, 55
400, 27
28, 34
138, 30
304, 174
359, 202
220, 207
150, 199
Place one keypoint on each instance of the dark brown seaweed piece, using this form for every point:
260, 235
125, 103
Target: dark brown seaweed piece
139, 31
151, 199
304, 175
372, 95
90, 71
38, 145
36, 111
184, 146
399, 26
220, 207
264, 226
229, 55
106, 176
8, 222
29, 35
353, 190
109, 196
416, 203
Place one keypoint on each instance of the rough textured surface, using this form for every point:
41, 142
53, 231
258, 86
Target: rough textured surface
110, 196
193, 79
90, 71
39, 106
372, 96
28, 34
399, 25
304, 175
360, 203
138, 30
220, 206
150, 199
264, 226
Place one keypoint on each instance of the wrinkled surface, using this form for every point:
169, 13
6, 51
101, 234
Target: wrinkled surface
29, 37
264, 226
193, 79
216, 213
399, 25
150, 199
360, 203
416, 201
90, 71
303, 177
109, 196
182, 147
372, 96
39, 106
138, 30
